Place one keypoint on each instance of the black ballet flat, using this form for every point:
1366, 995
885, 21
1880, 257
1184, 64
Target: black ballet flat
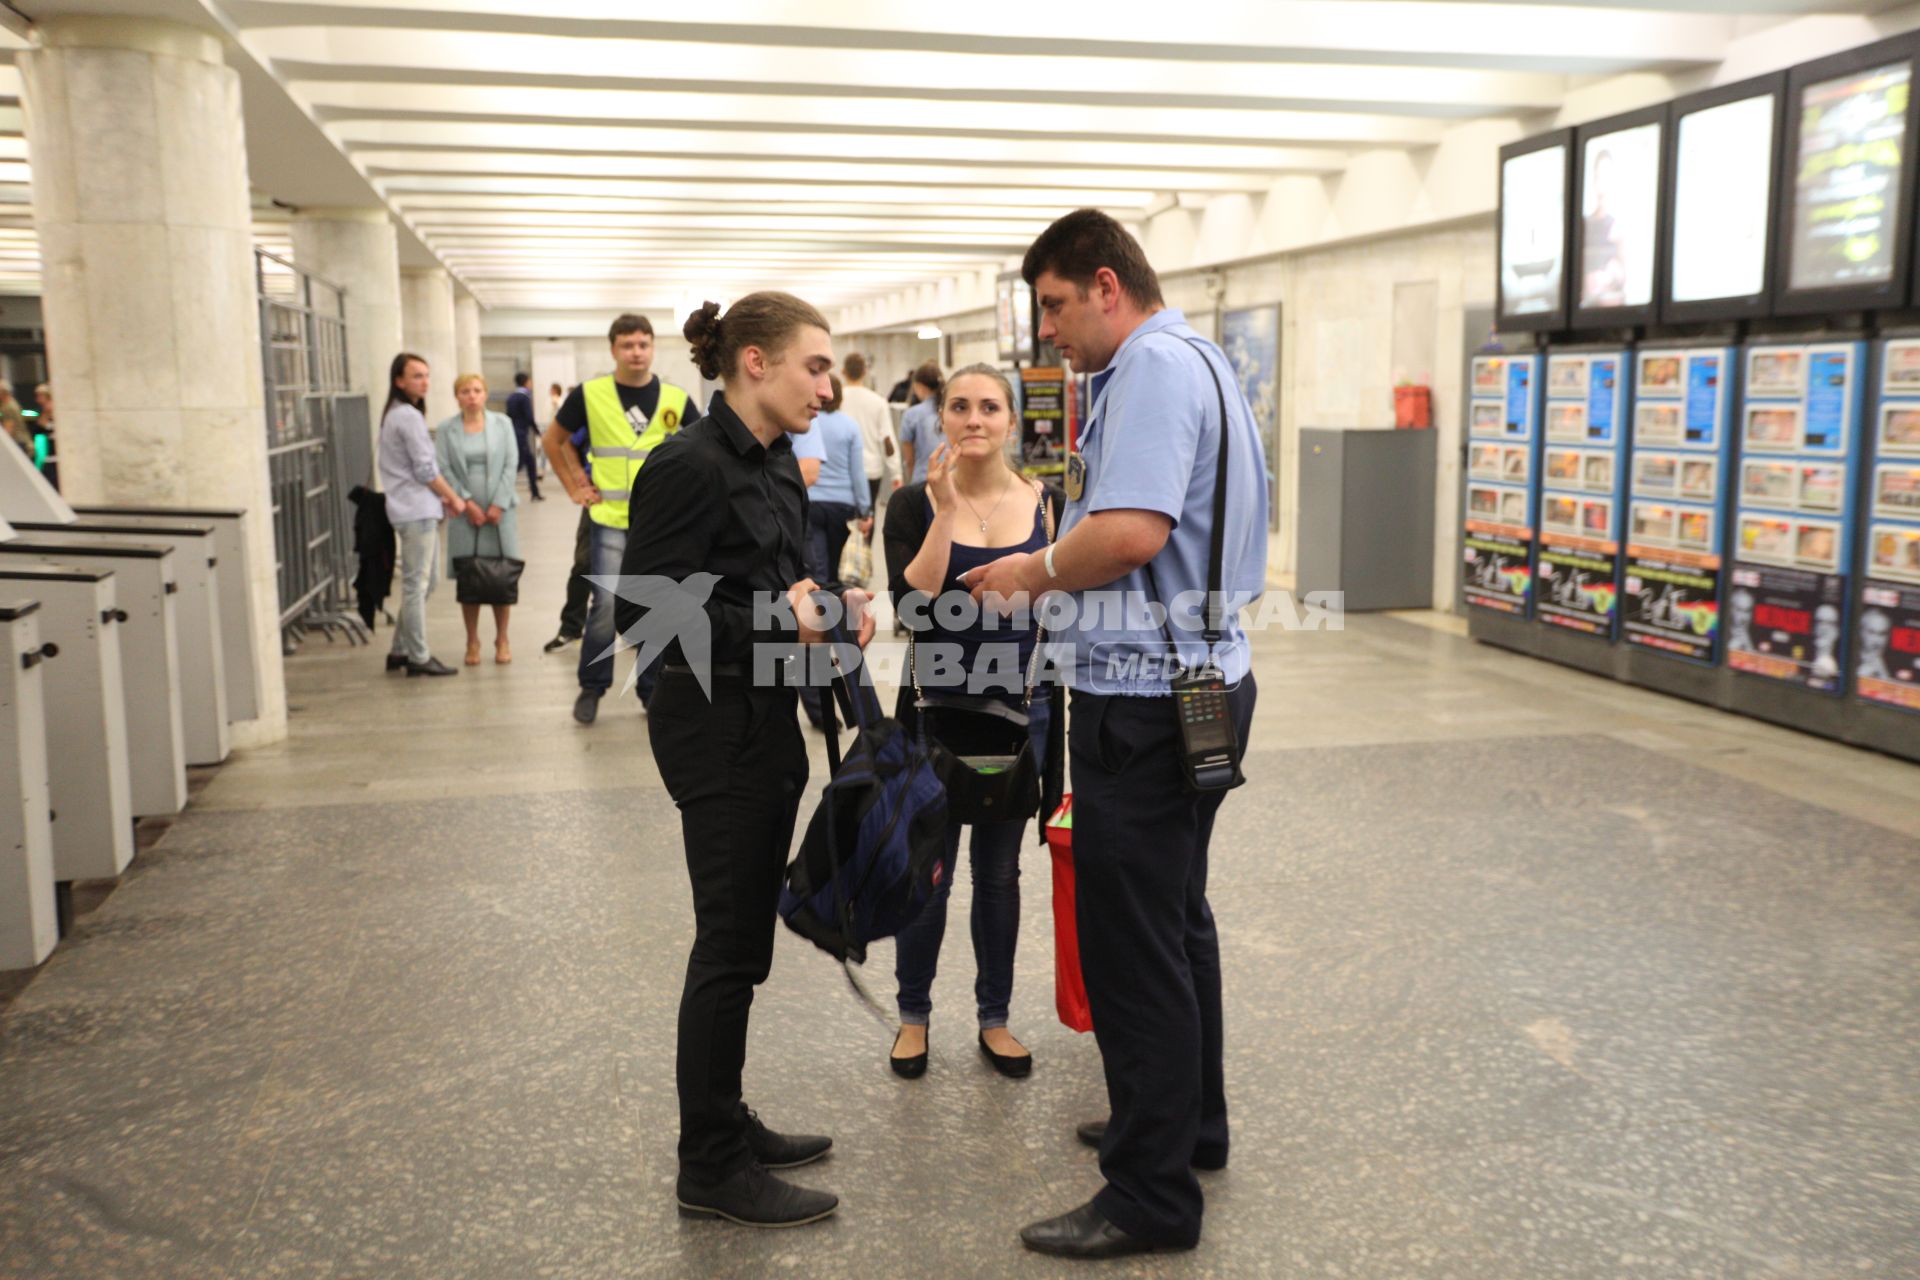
1013, 1066
907, 1068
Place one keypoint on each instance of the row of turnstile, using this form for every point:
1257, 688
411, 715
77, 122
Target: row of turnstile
129, 654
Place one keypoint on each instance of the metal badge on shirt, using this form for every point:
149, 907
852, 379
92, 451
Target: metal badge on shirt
1076, 476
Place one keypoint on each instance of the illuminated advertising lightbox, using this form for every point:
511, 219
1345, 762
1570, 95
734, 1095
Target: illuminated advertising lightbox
1619, 210
1846, 186
1723, 187
1533, 232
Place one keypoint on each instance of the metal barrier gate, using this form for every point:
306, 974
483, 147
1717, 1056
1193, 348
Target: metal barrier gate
317, 449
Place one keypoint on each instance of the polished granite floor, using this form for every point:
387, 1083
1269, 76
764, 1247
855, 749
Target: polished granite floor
1528, 975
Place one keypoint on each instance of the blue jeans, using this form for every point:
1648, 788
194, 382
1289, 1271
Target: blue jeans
419, 566
996, 913
606, 547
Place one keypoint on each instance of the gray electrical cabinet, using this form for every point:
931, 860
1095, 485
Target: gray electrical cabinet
1366, 516
149, 657
29, 914
86, 717
237, 648
201, 659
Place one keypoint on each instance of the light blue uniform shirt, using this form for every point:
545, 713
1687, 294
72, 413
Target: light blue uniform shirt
1151, 442
921, 429
843, 461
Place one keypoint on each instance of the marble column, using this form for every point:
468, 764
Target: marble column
426, 329
357, 249
466, 334
141, 202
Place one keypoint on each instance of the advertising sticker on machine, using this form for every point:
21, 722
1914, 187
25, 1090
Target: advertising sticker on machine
1786, 624
1887, 669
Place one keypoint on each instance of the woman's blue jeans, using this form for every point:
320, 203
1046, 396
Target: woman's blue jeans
996, 912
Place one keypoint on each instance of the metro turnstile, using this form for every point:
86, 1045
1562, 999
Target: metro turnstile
149, 665
203, 691
29, 919
237, 649
86, 717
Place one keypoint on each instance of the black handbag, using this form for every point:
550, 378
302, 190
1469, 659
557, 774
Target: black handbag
989, 770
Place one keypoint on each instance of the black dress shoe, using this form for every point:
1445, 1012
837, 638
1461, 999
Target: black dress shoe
754, 1198
431, 667
396, 661
1084, 1234
783, 1150
907, 1068
559, 642
1016, 1066
1205, 1159
586, 707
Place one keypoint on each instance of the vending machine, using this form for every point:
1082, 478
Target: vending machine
1582, 482
1677, 493
1886, 637
1788, 595
1502, 447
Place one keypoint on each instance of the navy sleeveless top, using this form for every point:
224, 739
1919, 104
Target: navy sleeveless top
990, 645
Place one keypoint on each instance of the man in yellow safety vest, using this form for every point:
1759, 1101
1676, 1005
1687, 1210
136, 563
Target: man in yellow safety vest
612, 423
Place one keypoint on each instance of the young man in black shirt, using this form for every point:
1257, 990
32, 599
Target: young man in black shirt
723, 504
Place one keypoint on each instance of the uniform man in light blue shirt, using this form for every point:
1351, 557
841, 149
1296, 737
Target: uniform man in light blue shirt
1137, 532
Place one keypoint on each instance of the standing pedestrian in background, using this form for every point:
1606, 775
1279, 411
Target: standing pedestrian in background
920, 431
879, 453
526, 432
417, 497
475, 452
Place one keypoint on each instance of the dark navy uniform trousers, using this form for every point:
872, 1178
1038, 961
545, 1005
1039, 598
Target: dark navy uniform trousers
1150, 956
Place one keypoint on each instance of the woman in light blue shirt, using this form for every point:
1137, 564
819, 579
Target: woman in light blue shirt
479, 457
840, 491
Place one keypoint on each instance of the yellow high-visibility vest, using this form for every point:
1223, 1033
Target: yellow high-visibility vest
615, 453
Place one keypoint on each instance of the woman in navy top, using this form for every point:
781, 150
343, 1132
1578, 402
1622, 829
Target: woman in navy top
972, 509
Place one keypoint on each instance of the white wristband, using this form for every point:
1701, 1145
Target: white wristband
1048, 561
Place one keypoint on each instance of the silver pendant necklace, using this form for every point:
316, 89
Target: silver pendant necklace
996, 506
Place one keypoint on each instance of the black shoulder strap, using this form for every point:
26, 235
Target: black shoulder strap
1217, 549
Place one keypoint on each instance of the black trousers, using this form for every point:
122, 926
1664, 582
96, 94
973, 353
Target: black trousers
573, 614
1150, 956
526, 462
735, 767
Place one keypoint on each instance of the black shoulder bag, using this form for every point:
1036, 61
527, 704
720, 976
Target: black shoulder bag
1209, 743
990, 771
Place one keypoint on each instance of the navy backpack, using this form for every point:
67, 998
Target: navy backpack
876, 848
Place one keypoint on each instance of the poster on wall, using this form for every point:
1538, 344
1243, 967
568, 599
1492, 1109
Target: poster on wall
1786, 624
1620, 204
1576, 584
1846, 187
1887, 656
1533, 231
1251, 338
1043, 420
1723, 188
1498, 575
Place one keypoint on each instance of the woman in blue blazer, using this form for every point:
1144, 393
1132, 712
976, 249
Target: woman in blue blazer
479, 457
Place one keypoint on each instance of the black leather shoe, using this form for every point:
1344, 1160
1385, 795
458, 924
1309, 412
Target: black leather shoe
907, 1068
1084, 1234
1015, 1066
586, 707
431, 667
783, 1150
754, 1198
1205, 1159
396, 661
558, 643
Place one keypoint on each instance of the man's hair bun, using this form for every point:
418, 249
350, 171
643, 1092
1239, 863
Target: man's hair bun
702, 332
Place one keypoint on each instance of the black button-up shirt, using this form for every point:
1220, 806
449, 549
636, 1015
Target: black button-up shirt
713, 499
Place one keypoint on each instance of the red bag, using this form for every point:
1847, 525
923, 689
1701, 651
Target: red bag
1069, 988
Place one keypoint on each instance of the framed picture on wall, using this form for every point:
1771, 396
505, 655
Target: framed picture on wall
1251, 338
